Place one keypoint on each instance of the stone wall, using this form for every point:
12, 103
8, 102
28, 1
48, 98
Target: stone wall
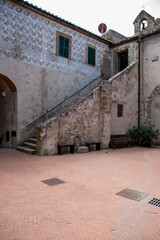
124, 87
113, 36
94, 117
151, 24
132, 48
88, 120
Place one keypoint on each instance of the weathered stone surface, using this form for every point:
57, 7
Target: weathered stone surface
93, 118
80, 123
47, 138
82, 149
113, 36
150, 25
124, 86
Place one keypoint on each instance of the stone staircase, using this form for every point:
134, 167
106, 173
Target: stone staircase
28, 146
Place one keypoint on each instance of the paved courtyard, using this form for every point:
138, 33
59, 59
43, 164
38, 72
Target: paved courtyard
86, 206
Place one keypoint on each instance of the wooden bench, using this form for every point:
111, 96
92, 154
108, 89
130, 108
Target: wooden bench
60, 147
91, 143
120, 141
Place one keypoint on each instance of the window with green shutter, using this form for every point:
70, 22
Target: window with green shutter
63, 46
91, 55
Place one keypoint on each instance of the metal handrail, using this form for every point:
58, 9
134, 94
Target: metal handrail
63, 101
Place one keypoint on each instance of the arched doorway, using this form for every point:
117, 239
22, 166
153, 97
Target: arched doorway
152, 109
8, 113
155, 109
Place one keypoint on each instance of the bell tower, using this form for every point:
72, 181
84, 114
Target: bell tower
143, 22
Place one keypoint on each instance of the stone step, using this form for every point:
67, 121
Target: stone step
30, 145
81, 149
26, 150
32, 140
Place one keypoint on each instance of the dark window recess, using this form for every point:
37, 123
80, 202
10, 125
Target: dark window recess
63, 46
119, 110
123, 60
0, 141
91, 56
7, 136
13, 134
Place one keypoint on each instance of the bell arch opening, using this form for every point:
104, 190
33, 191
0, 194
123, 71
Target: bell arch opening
8, 113
143, 24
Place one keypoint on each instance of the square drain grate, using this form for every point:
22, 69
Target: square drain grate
155, 202
53, 181
132, 194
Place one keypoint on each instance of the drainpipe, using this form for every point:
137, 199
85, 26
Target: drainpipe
139, 79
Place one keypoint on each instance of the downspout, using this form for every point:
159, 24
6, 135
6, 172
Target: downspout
139, 80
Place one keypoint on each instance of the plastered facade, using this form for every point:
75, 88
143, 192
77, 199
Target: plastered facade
28, 57
150, 81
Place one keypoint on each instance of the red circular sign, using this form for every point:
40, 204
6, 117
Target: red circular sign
102, 28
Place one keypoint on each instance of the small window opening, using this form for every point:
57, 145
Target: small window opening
119, 110
0, 141
13, 134
7, 136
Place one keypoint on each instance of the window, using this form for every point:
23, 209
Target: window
13, 133
63, 45
119, 110
91, 55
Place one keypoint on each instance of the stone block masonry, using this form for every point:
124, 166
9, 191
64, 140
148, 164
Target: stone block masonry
90, 118
82, 120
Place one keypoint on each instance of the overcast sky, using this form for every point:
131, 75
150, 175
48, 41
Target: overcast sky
88, 14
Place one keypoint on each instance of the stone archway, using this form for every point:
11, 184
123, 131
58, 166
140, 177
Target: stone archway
8, 112
149, 112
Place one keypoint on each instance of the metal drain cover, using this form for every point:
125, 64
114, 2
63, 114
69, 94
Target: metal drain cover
53, 181
155, 202
132, 194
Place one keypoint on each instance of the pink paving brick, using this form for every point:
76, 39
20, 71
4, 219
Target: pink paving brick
85, 206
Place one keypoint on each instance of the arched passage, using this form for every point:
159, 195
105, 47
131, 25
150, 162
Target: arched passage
8, 112
152, 108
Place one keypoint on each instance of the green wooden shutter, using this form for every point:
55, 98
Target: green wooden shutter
63, 46
91, 56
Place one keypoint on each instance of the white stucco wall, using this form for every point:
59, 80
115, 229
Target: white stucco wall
151, 77
151, 64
